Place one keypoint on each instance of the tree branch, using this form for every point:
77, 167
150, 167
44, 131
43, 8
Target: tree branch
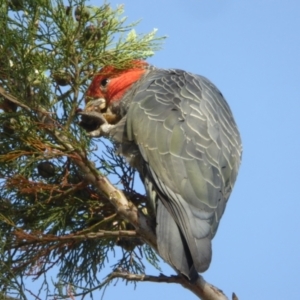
201, 288
38, 238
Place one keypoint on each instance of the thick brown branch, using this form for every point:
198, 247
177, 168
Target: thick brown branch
201, 288
103, 185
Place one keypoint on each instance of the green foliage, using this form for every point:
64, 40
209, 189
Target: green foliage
49, 216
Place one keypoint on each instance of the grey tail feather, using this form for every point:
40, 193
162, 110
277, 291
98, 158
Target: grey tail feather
172, 245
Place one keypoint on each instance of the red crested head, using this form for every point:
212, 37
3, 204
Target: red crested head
111, 83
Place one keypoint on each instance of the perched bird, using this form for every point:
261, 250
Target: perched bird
178, 131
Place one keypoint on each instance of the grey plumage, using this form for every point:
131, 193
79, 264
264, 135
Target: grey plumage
178, 130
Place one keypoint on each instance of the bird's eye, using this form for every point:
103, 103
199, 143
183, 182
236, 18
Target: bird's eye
104, 82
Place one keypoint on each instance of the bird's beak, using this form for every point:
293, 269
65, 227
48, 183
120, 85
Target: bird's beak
98, 105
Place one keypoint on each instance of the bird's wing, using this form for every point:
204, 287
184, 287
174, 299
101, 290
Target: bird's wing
187, 136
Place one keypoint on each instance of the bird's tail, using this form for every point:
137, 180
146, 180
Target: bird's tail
172, 246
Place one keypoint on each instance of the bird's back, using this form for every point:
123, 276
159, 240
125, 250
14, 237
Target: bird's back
191, 147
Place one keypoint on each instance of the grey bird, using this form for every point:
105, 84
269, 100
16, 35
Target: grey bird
178, 131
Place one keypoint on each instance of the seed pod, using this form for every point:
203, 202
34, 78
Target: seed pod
68, 10
62, 77
9, 126
81, 14
16, 5
8, 106
91, 33
104, 23
46, 169
90, 123
129, 243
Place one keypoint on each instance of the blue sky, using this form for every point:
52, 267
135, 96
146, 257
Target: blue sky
251, 51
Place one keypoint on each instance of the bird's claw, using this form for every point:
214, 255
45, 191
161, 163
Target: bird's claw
103, 130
